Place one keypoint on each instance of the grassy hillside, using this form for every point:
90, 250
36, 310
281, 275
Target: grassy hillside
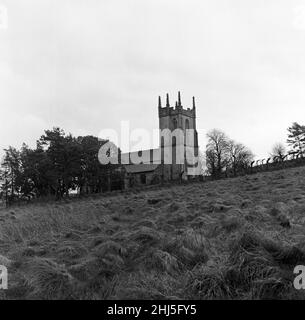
232, 239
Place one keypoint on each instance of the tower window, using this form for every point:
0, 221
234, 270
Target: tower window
175, 123
187, 124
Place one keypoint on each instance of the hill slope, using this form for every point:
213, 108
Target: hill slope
231, 239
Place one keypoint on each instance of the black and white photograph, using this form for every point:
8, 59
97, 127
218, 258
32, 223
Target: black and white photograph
154, 151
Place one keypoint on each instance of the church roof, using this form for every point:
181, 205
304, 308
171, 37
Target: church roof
138, 168
147, 156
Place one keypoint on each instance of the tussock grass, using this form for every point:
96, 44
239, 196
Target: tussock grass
71, 251
149, 223
145, 236
150, 285
232, 239
4, 261
48, 280
190, 248
107, 247
161, 261
207, 283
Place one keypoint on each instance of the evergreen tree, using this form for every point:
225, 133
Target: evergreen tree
296, 138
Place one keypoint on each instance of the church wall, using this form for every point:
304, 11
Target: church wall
135, 179
172, 171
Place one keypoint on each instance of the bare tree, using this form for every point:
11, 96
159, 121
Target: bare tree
216, 152
278, 150
239, 156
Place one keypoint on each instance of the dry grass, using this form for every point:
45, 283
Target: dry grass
232, 239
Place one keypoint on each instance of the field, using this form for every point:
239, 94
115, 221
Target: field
237, 238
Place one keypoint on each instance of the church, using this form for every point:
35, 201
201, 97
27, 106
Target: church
169, 161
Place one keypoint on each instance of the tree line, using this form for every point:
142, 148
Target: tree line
59, 163
223, 153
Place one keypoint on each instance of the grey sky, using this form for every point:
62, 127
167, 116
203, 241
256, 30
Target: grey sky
85, 65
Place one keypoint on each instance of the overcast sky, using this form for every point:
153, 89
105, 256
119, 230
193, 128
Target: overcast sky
85, 65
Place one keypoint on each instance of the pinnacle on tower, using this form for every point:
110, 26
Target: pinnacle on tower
179, 99
160, 106
194, 106
167, 100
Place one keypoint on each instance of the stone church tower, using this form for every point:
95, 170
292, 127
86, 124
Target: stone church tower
169, 161
170, 119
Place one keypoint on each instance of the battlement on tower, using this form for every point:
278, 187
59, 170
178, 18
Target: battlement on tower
171, 111
178, 109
